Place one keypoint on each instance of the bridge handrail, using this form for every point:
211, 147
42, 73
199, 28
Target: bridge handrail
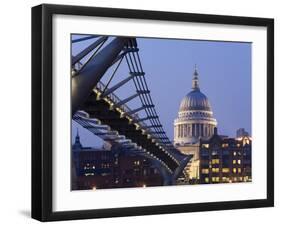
115, 99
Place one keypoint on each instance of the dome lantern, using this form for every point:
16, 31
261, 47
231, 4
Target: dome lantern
195, 80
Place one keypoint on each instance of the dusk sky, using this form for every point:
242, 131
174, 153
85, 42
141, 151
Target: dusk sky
224, 77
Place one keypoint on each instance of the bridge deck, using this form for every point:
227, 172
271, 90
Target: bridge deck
99, 108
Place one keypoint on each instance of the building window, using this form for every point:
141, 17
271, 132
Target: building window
234, 161
137, 163
205, 171
225, 170
215, 179
224, 145
215, 161
234, 170
225, 179
239, 161
144, 172
206, 180
239, 170
215, 170
234, 153
214, 152
204, 153
205, 145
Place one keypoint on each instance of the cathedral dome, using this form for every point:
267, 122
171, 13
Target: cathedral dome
195, 119
195, 100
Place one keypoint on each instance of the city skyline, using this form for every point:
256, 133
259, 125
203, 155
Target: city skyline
224, 73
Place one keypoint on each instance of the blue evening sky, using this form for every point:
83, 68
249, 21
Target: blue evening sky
224, 77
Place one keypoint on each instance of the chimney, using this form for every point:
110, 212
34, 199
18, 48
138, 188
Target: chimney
215, 131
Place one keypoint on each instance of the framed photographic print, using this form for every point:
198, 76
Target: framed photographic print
146, 112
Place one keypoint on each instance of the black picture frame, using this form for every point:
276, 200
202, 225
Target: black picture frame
42, 111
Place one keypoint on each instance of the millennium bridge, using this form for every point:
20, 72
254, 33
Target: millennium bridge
96, 106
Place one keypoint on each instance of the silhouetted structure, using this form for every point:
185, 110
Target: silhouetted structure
100, 168
241, 132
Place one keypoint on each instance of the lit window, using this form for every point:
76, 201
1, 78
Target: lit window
234, 170
246, 141
207, 180
224, 145
234, 153
239, 161
215, 179
225, 170
205, 171
234, 161
214, 152
239, 170
215, 161
205, 145
215, 170
225, 179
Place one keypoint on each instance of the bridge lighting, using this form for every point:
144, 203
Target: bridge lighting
122, 114
111, 106
130, 119
106, 100
73, 72
98, 95
137, 126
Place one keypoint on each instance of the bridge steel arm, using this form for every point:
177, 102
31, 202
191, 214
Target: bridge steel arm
84, 52
180, 168
118, 85
84, 39
88, 77
122, 102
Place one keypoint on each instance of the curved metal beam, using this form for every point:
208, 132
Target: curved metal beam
88, 77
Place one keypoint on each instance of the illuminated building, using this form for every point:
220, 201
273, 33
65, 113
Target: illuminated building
100, 168
225, 160
195, 121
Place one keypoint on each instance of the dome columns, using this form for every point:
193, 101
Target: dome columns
190, 132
